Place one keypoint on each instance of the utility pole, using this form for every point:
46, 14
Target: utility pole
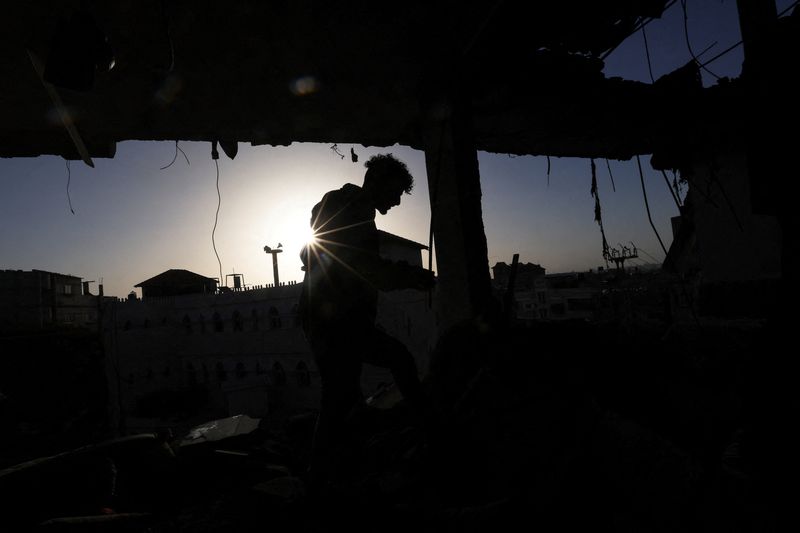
274, 251
618, 257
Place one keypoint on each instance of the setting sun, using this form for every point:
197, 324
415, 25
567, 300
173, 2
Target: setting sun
305, 235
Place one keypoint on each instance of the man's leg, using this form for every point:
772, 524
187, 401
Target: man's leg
385, 351
340, 373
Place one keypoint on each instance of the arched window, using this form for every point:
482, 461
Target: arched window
164, 321
278, 375
187, 324
219, 325
274, 318
238, 321
222, 375
201, 322
296, 314
167, 371
303, 375
241, 371
259, 369
149, 374
254, 318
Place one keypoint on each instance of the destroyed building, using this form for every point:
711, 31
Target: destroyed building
681, 427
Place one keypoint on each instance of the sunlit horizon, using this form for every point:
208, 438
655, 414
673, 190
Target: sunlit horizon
133, 220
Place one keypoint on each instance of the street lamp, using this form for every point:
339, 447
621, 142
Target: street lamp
274, 251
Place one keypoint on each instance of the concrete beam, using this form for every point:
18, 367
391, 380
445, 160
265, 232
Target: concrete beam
451, 159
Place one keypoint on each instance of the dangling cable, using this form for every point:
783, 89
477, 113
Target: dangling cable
598, 216
610, 175
669, 186
647, 205
548, 171
676, 185
216, 219
69, 179
688, 44
647, 53
177, 149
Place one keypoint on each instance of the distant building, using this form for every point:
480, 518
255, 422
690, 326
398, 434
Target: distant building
176, 282
527, 275
396, 248
541, 296
192, 356
37, 299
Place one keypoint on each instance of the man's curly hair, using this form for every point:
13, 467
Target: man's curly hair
386, 166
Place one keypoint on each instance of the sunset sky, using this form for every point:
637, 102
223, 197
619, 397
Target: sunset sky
133, 220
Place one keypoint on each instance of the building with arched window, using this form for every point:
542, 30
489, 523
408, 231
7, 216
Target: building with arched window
241, 352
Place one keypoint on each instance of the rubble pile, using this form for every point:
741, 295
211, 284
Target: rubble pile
560, 427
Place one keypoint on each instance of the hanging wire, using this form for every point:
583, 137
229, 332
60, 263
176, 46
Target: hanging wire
647, 205
686, 36
177, 149
676, 185
548, 171
610, 175
335, 149
647, 53
216, 220
598, 215
672, 193
69, 179
735, 45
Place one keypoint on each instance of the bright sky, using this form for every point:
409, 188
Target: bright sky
133, 220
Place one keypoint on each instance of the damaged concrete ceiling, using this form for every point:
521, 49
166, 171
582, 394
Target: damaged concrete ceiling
353, 72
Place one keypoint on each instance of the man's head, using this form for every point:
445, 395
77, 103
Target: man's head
386, 180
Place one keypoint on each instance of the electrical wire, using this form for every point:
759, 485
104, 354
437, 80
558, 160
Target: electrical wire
598, 216
335, 149
177, 149
647, 205
647, 53
686, 36
610, 175
69, 179
548, 171
638, 249
735, 45
216, 220
674, 196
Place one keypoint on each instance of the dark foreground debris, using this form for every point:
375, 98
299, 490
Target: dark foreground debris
560, 427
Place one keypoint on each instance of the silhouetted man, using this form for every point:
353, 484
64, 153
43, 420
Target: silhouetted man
339, 300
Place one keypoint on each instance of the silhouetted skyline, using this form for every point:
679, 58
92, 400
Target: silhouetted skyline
133, 220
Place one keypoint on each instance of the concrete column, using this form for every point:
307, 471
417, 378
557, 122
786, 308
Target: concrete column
451, 160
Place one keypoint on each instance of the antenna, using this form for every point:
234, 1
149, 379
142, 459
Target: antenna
274, 251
